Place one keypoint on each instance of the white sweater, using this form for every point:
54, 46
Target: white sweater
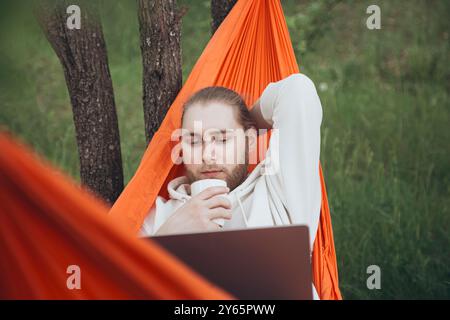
283, 189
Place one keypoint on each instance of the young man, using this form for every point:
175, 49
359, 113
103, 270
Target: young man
283, 189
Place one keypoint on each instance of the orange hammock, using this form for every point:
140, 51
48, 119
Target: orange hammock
250, 49
47, 223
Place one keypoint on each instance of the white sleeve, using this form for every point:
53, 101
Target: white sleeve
148, 226
292, 106
155, 218
158, 214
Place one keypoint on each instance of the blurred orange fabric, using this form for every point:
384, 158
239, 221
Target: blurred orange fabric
47, 223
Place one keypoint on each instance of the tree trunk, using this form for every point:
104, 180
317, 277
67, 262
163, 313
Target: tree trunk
160, 30
82, 53
219, 10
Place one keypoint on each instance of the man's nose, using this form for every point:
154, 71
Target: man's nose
209, 152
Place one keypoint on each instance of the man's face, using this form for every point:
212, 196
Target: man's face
214, 144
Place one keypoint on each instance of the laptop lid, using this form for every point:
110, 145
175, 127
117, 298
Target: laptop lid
260, 263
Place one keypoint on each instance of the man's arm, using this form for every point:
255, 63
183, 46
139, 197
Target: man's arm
257, 116
195, 215
293, 107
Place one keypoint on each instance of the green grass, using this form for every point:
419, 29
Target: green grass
385, 96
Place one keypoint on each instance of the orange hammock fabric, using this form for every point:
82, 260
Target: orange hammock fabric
250, 49
47, 223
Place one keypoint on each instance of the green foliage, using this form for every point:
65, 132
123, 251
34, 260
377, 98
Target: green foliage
312, 22
385, 97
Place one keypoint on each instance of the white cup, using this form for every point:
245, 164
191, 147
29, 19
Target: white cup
200, 185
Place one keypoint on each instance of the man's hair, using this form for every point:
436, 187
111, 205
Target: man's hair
225, 96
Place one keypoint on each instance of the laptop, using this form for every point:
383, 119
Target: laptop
260, 263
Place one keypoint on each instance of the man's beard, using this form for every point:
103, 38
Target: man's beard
233, 178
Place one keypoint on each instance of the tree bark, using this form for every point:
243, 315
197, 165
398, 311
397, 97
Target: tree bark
83, 55
219, 11
160, 31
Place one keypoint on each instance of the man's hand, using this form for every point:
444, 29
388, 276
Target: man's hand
255, 113
196, 214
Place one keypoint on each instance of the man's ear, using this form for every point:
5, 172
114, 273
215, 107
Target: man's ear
252, 137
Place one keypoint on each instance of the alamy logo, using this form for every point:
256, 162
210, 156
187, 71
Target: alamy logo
374, 280
74, 280
373, 22
225, 145
74, 20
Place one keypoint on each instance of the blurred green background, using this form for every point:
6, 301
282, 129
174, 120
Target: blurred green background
385, 133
